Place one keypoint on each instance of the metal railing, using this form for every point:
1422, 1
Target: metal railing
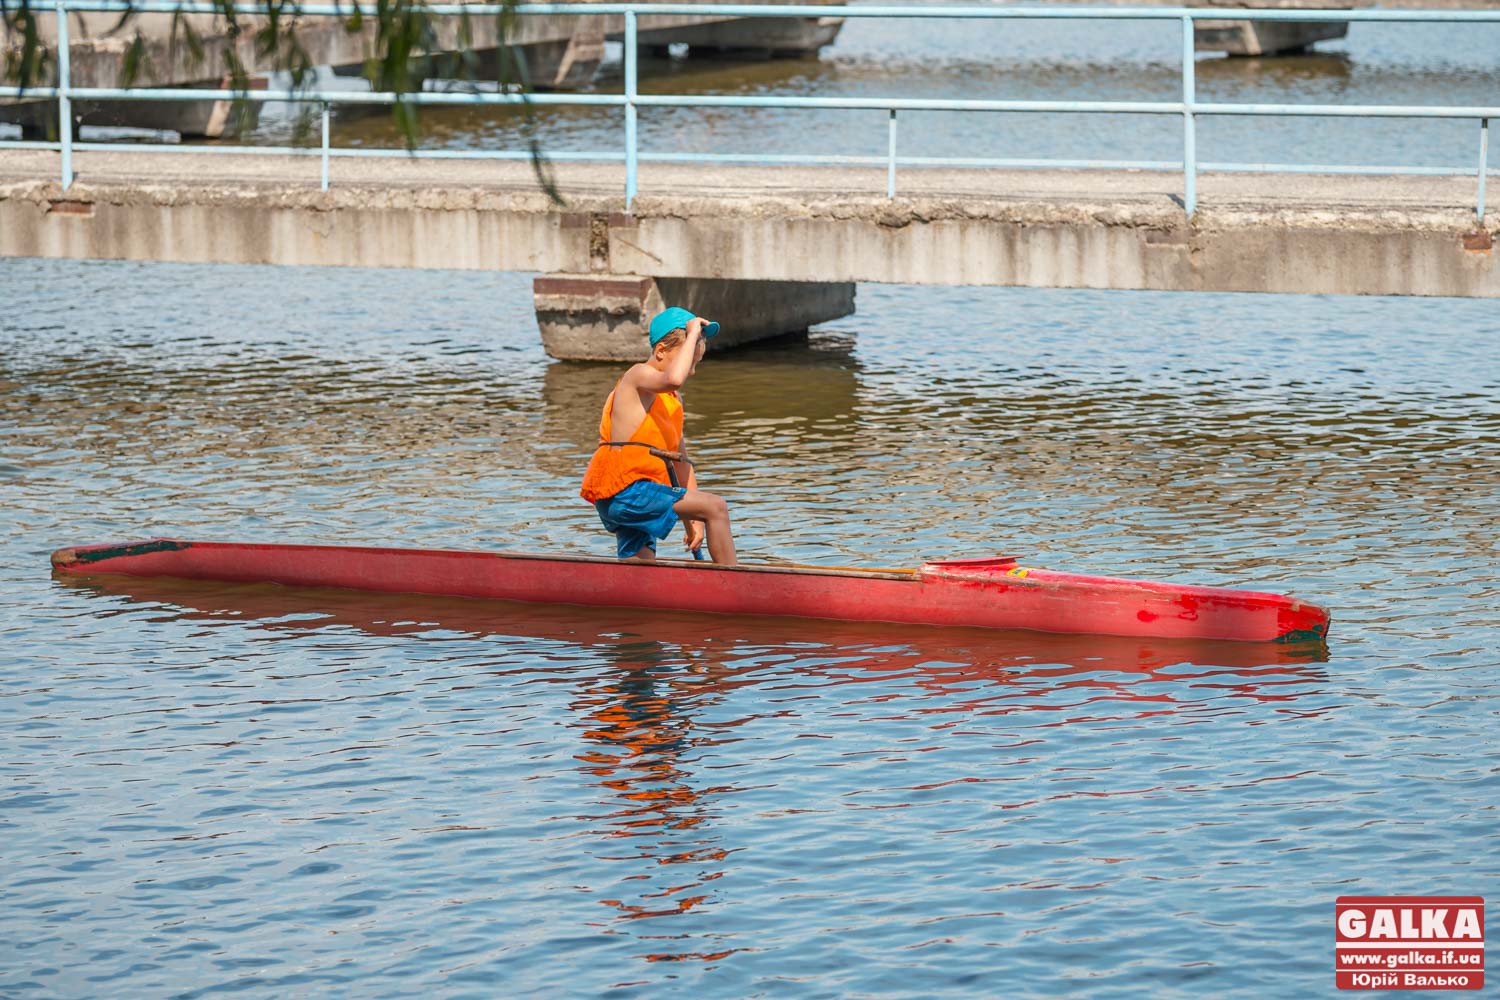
1189, 108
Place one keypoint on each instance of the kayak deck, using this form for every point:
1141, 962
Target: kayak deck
985, 593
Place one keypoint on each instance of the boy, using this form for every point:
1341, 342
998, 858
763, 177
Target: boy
626, 482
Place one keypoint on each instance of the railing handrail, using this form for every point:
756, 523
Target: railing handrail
919, 11
1189, 107
469, 98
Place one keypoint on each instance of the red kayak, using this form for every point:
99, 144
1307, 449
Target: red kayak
984, 593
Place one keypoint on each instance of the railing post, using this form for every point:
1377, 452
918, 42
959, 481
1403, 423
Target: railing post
1189, 125
64, 102
890, 174
630, 70
324, 178
1484, 162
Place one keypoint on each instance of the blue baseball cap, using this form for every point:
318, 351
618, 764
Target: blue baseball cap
676, 318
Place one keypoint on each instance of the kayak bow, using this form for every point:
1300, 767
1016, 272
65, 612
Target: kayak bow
984, 593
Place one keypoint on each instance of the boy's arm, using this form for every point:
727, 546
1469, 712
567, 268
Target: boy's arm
644, 378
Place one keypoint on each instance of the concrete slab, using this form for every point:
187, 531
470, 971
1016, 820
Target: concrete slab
199, 119
1263, 38
1266, 38
605, 317
783, 36
1099, 229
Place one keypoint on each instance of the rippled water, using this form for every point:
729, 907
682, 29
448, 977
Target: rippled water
209, 789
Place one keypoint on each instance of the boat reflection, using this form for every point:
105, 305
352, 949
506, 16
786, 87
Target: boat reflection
665, 660
654, 699
638, 717
939, 656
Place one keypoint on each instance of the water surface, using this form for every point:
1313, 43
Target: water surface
211, 789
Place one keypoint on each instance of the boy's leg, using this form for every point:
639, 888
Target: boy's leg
633, 545
714, 513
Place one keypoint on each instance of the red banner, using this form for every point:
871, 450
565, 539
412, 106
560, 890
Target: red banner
1409, 942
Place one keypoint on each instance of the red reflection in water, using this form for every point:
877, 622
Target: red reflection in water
638, 714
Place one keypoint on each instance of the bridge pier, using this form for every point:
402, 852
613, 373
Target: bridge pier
1268, 38
568, 62
196, 119
1263, 38
774, 36
605, 317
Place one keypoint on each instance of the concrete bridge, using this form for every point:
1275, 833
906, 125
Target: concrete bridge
562, 52
776, 248
1236, 37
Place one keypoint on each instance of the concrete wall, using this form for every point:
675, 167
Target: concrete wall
454, 222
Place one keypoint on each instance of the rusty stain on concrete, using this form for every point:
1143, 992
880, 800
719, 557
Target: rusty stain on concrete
84, 209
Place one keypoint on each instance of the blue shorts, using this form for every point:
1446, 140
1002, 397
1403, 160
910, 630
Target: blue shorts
639, 515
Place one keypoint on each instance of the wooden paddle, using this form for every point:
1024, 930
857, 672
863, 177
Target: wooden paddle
670, 459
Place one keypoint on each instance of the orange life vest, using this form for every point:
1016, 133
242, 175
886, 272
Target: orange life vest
614, 468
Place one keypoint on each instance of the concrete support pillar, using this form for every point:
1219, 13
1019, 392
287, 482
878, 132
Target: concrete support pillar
555, 64
566, 63
777, 36
1263, 38
36, 117
605, 317
197, 119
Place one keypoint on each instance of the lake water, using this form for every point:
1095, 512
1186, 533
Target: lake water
212, 789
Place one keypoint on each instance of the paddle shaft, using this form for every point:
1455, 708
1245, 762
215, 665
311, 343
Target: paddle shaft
671, 464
